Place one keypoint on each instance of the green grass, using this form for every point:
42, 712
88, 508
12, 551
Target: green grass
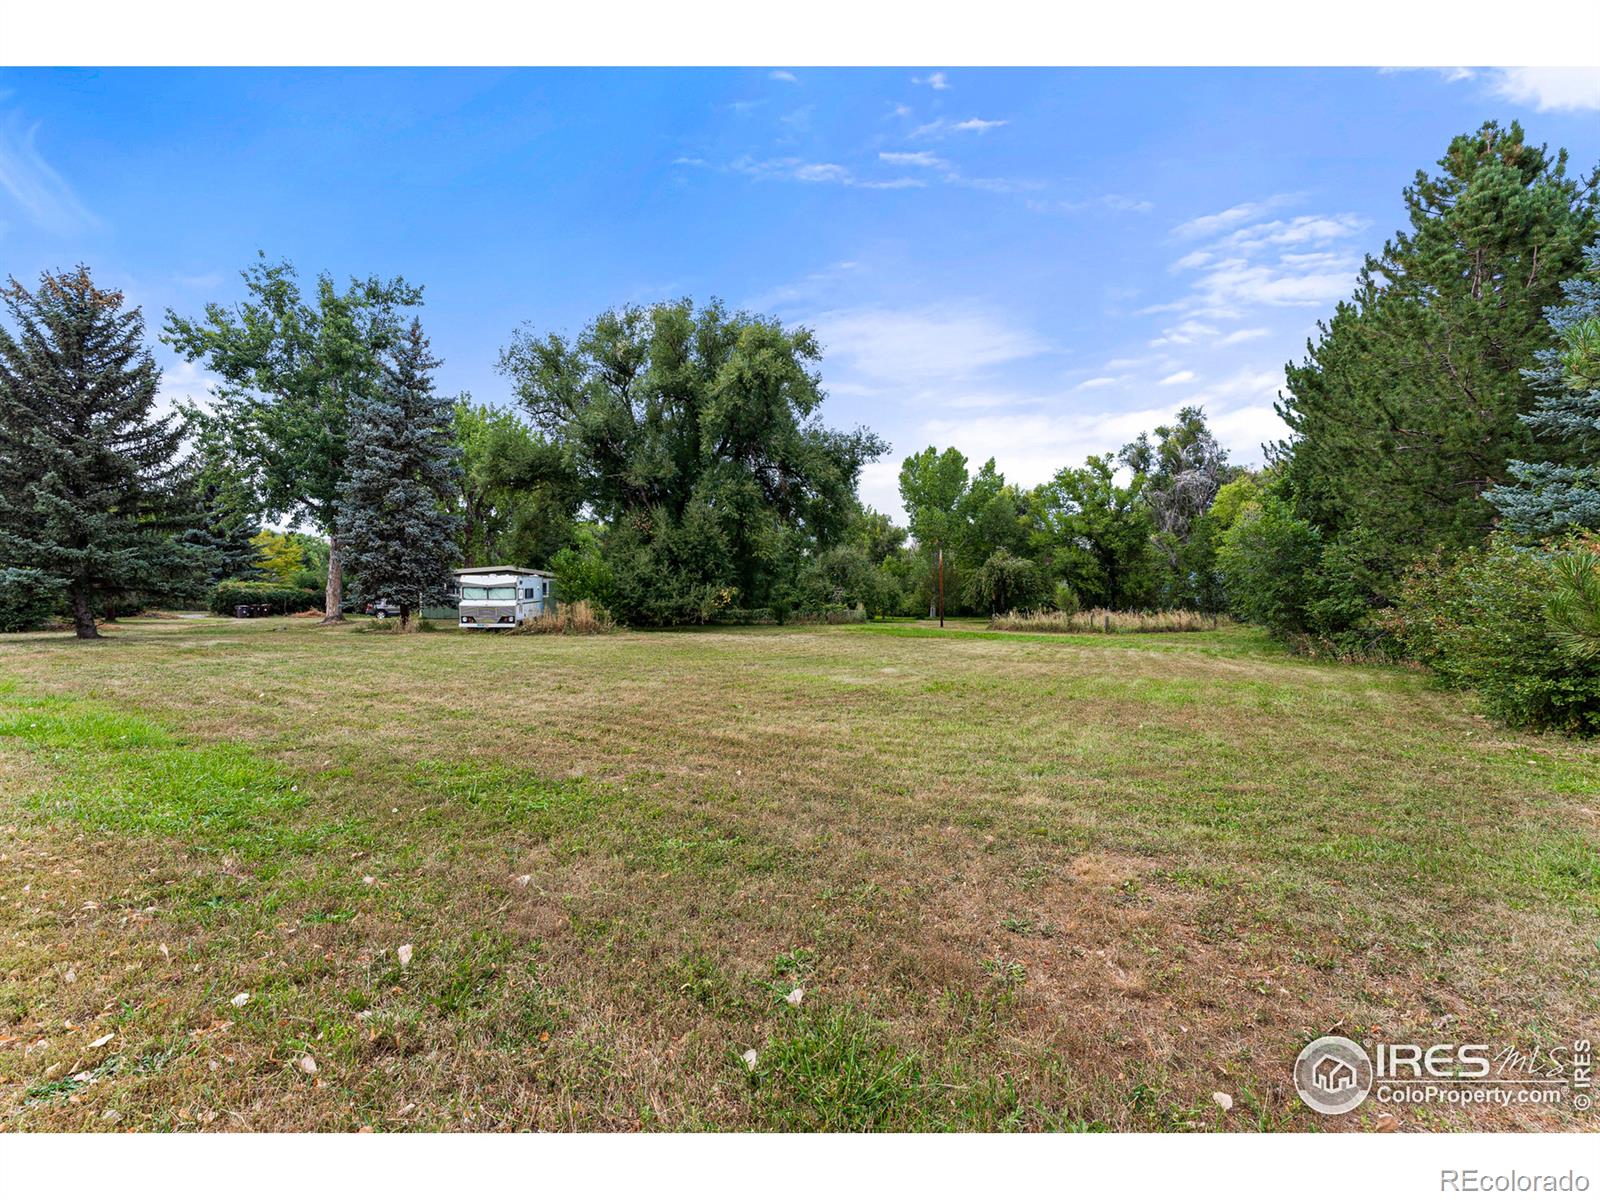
1051, 881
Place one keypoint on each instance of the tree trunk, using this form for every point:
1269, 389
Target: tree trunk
83, 615
405, 617
333, 599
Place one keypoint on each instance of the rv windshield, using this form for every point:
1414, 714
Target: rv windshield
469, 592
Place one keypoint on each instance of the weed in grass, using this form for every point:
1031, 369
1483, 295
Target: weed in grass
832, 1072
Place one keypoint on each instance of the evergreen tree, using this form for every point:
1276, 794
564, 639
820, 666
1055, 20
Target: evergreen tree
405, 469
223, 514
1406, 411
1563, 493
87, 474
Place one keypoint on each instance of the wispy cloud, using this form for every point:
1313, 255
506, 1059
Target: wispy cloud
36, 190
1213, 223
1549, 89
921, 344
937, 81
1242, 335
799, 170
1284, 262
784, 77
1544, 89
1178, 377
1112, 201
912, 158
944, 126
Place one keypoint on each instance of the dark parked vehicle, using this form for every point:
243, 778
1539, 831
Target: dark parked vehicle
252, 610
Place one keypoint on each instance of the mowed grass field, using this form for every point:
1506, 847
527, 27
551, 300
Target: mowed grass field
1025, 882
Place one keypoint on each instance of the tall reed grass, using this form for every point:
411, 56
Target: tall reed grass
1105, 620
579, 617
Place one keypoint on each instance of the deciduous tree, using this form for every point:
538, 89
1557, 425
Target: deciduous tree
292, 368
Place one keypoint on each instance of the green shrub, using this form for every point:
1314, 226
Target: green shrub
1066, 599
1483, 621
1268, 560
28, 598
283, 598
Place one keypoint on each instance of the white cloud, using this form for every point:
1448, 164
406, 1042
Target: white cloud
1242, 335
821, 173
1314, 230
1185, 333
936, 81
1294, 280
1547, 89
1121, 203
1213, 223
34, 187
944, 126
797, 170
1113, 201
1178, 377
1284, 262
912, 158
784, 77
1099, 381
910, 346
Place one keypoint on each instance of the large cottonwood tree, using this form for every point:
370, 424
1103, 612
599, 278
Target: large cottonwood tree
696, 440
292, 368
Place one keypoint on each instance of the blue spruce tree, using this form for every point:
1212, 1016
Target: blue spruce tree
89, 472
405, 467
1553, 497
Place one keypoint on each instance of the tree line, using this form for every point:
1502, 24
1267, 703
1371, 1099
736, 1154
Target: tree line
669, 462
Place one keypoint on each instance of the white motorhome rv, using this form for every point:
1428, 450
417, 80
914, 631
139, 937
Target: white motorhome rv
502, 597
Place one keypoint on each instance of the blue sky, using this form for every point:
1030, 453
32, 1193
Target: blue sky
1028, 264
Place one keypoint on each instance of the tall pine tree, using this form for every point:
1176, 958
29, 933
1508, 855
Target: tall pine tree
1563, 491
87, 472
1406, 411
405, 469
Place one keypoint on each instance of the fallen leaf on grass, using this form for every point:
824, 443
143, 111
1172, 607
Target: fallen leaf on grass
1224, 1101
404, 955
240, 1000
307, 1064
1387, 1123
98, 1042
751, 1057
793, 998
